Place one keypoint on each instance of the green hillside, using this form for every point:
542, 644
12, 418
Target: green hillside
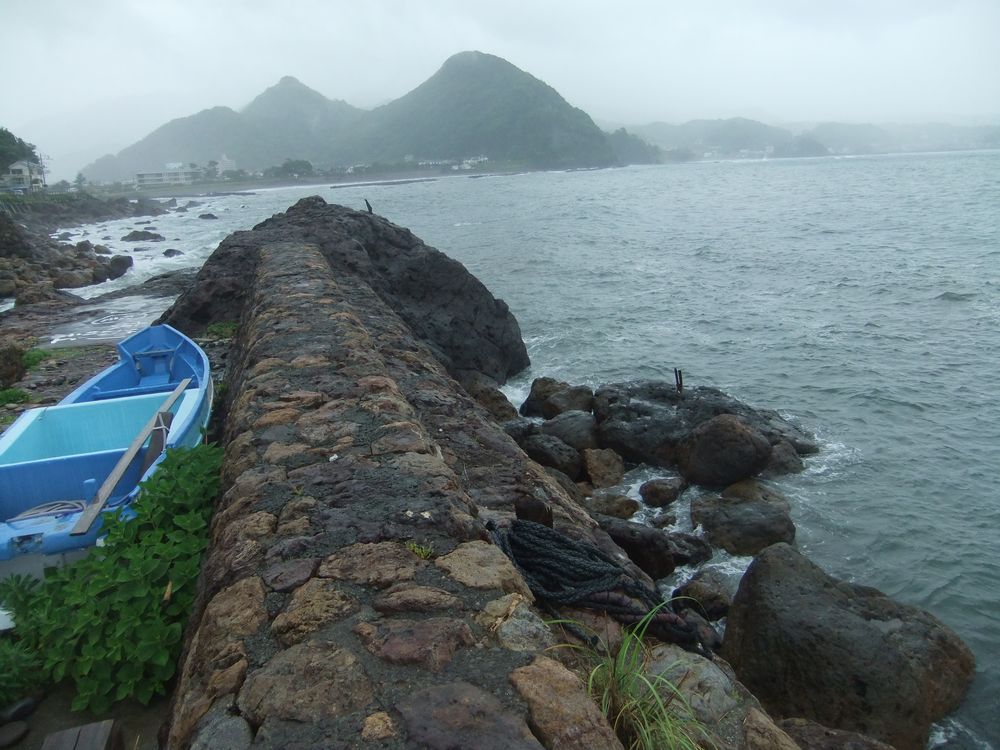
479, 104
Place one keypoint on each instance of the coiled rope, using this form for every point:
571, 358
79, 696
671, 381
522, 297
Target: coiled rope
561, 570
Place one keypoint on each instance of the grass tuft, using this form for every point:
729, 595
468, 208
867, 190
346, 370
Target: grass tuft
222, 330
647, 712
34, 357
423, 551
14, 396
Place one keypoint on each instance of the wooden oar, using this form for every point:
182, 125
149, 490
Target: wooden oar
88, 516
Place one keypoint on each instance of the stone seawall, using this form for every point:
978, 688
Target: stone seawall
347, 598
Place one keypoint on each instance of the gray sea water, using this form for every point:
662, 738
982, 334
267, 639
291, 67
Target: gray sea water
858, 296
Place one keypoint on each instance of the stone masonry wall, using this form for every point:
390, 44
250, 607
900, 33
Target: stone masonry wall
317, 625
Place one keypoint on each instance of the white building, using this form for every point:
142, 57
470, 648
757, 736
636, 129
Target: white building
226, 164
172, 175
23, 175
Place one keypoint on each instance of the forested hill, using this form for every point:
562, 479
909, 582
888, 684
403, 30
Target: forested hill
475, 105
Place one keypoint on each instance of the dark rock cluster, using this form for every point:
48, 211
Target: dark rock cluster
473, 334
32, 266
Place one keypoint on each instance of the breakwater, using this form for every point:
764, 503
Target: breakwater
349, 451
348, 591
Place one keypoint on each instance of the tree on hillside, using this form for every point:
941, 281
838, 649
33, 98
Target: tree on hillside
291, 168
14, 149
80, 181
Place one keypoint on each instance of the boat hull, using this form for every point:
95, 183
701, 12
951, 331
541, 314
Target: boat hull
54, 459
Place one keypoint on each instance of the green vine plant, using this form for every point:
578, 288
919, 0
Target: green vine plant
646, 711
113, 621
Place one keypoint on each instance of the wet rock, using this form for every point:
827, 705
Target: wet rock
207, 216
616, 506
707, 592
460, 715
783, 460
313, 606
378, 564
645, 421
408, 597
493, 400
222, 729
723, 450
549, 450
729, 712
515, 625
483, 566
429, 643
647, 547
289, 574
541, 389
378, 726
574, 398
35, 294
308, 682
470, 331
119, 265
172, 252
660, 493
812, 736
845, 656
577, 429
745, 519
520, 429
603, 466
141, 235
561, 712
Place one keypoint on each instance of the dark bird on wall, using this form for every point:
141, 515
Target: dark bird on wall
369, 205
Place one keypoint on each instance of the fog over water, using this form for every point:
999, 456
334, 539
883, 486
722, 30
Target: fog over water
105, 73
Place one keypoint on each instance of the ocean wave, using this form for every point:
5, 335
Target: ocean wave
956, 296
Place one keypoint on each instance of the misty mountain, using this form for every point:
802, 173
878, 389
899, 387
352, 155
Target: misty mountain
731, 138
476, 104
865, 138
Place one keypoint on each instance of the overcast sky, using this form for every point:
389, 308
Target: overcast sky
94, 76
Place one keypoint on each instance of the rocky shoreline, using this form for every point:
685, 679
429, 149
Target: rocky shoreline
363, 423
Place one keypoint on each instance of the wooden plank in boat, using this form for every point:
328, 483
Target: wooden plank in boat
88, 517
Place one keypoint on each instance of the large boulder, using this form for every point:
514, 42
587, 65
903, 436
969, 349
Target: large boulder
647, 547
659, 493
470, 332
655, 551
549, 450
603, 466
721, 451
707, 592
541, 389
646, 421
813, 736
731, 717
846, 656
578, 429
574, 398
747, 518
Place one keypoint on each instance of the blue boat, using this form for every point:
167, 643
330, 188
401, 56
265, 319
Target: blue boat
62, 466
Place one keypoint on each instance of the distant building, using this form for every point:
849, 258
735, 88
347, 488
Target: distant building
174, 174
226, 164
27, 176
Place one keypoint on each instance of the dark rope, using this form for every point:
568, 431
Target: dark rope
560, 570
